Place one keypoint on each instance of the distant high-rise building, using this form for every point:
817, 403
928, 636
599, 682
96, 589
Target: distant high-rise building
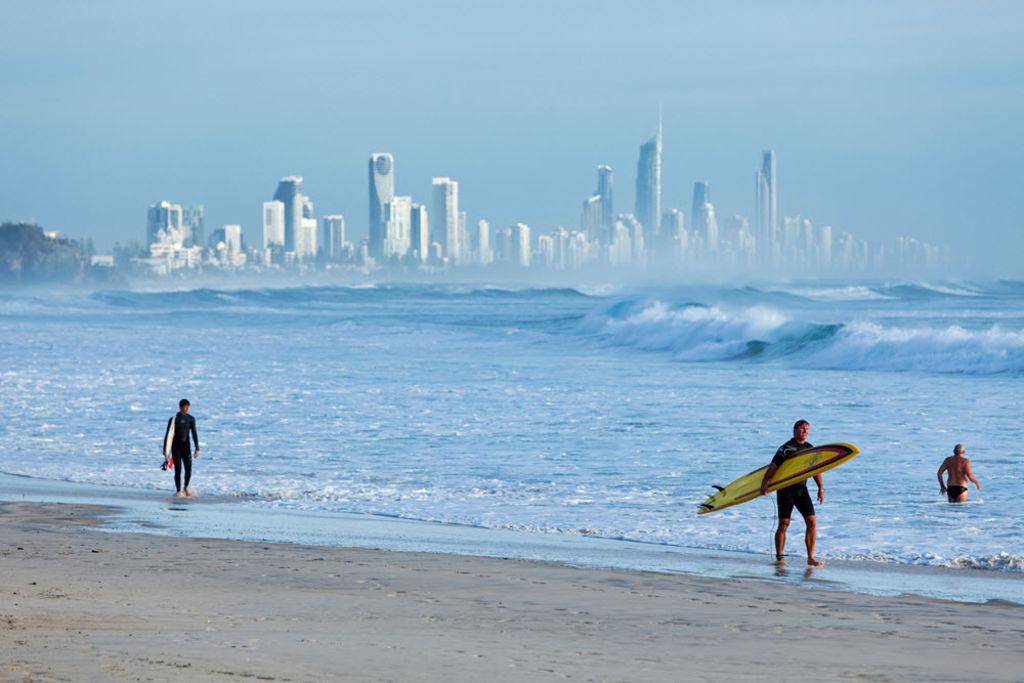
521, 244
273, 223
807, 237
419, 228
790, 235
674, 238
648, 184
825, 240
305, 242
382, 191
233, 238
446, 217
194, 225
483, 242
305, 239
604, 191
702, 220
332, 236
620, 249
397, 227
167, 217
767, 209
701, 196
546, 250
289, 192
463, 238
592, 217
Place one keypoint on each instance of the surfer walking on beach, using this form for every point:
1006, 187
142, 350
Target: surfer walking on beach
180, 450
958, 470
795, 496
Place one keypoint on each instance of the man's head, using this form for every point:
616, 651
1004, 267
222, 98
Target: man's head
958, 449
801, 428
183, 405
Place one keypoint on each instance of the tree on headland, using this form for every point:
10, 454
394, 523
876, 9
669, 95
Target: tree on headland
29, 255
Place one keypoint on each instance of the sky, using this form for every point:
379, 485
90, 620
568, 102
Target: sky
887, 118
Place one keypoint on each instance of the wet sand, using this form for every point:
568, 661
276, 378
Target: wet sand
82, 605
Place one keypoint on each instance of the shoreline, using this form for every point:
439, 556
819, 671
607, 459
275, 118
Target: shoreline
87, 605
146, 511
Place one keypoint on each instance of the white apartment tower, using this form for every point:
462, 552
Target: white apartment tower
273, 223
382, 191
446, 218
397, 227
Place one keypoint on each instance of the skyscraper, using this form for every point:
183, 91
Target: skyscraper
233, 238
305, 238
167, 217
332, 236
397, 227
446, 218
521, 245
194, 225
289, 192
382, 191
591, 218
648, 184
674, 239
767, 210
483, 242
702, 221
604, 191
273, 223
419, 226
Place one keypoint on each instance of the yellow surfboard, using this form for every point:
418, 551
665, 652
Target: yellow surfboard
796, 469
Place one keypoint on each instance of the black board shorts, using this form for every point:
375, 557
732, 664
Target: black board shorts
792, 496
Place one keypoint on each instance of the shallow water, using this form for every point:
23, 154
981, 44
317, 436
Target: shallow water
550, 411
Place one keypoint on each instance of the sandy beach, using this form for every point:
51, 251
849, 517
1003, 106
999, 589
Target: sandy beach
80, 605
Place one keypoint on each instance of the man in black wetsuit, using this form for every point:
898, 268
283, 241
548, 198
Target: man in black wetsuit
181, 448
796, 495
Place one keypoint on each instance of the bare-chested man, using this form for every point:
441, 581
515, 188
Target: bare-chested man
959, 471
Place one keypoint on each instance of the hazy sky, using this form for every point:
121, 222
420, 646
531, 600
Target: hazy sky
887, 118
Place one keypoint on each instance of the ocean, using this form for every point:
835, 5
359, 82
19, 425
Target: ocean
605, 413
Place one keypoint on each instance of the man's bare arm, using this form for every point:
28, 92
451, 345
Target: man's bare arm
768, 474
821, 488
970, 475
942, 484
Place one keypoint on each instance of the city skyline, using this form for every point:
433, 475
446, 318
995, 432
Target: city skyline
399, 233
879, 122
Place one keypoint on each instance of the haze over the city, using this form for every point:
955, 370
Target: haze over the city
886, 120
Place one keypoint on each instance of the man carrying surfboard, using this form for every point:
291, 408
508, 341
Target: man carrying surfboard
795, 496
178, 447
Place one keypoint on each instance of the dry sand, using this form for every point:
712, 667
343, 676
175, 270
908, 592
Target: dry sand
86, 606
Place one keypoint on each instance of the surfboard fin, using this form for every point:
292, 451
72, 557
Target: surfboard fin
716, 486
709, 507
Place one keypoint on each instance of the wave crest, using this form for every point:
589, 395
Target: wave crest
695, 332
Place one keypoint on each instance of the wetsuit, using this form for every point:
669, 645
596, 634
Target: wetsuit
181, 448
796, 495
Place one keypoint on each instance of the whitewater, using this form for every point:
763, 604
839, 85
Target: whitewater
605, 413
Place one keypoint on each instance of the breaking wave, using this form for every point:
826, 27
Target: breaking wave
695, 332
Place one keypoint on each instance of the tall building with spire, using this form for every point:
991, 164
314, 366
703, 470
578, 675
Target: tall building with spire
767, 209
289, 193
604, 191
648, 184
382, 191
